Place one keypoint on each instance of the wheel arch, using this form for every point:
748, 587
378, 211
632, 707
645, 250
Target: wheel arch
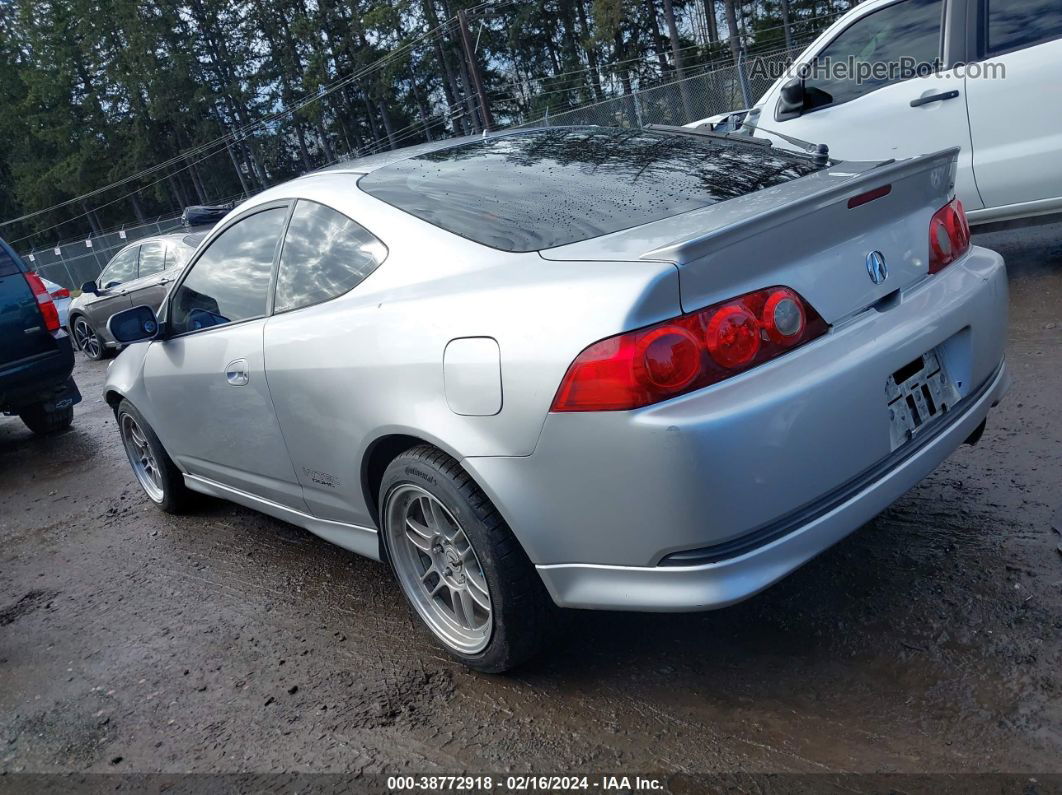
113, 398
384, 449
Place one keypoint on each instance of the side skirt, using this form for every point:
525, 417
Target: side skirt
362, 540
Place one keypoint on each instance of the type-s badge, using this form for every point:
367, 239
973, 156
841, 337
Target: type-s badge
321, 478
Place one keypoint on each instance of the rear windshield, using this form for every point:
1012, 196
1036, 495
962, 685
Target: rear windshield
547, 188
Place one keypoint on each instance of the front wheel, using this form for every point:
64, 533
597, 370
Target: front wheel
459, 565
89, 341
156, 473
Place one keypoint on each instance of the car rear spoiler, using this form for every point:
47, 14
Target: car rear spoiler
940, 165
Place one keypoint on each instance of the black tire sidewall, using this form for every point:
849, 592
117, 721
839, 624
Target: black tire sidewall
103, 348
505, 614
174, 492
43, 422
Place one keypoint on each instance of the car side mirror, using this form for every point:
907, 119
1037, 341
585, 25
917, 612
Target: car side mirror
791, 100
90, 287
134, 325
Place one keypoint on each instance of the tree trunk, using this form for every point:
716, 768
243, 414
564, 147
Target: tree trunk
300, 137
197, 183
325, 144
676, 53
731, 29
386, 117
786, 27
658, 40
239, 171
591, 52
713, 26
138, 210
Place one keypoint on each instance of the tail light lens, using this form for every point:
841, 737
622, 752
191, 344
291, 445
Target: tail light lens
949, 235
44, 302
59, 293
690, 352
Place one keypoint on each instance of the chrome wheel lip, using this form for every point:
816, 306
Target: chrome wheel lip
141, 458
440, 573
87, 339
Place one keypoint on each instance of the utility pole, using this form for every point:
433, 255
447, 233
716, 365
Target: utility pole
473, 68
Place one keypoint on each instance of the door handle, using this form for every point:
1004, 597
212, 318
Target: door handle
236, 372
917, 103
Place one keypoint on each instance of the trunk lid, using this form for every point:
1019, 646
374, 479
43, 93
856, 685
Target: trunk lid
802, 234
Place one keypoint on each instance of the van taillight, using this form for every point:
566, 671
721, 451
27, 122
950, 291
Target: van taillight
44, 301
689, 352
949, 235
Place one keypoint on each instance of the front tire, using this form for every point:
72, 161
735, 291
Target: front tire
89, 341
459, 565
43, 422
155, 471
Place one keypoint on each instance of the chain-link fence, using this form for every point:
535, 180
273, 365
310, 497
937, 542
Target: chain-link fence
74, 263
682, 101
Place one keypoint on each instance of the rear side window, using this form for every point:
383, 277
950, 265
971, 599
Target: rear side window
120, 269
230, 281
1015, 24
325, 254
152, 259
882, 48
545, 188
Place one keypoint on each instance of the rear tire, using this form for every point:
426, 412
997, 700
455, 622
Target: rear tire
155, 471
88, 340
455, 557
43, 422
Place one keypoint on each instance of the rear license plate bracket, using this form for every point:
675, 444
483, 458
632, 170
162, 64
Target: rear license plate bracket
918, 393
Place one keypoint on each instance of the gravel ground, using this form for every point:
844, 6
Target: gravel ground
226, 641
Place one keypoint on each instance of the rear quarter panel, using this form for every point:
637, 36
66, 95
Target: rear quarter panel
369, 364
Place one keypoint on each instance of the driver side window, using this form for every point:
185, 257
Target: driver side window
885, 47
230, 281
120, 269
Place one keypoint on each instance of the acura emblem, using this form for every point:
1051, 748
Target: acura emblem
876, 267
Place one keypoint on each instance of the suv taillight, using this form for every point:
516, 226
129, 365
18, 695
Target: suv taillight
949, 235
689, 352
44, 301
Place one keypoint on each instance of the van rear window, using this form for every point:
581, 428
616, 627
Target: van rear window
8, 266
545, 188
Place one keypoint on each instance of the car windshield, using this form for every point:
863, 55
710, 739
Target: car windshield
547, 188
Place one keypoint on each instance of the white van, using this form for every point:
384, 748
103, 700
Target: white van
989, 81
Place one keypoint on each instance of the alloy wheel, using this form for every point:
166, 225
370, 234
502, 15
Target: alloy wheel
145, 467
438, 568
87, 339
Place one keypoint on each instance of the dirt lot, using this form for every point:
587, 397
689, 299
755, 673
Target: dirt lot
226, 641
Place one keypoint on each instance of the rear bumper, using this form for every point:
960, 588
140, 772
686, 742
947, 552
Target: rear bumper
770, 467
730, 580
36, 378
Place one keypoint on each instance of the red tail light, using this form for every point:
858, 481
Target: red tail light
62, 292
949, 235
44, 301
690, 352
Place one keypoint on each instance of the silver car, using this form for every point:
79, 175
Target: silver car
575, 367
138, 275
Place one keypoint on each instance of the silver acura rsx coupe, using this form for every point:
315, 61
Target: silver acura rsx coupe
571, 367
